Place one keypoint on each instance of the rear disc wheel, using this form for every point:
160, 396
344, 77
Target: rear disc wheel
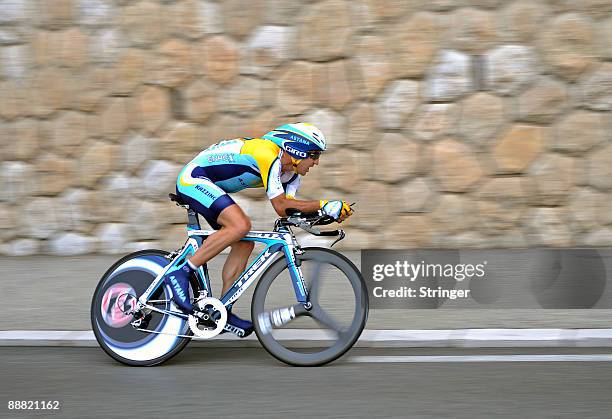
112, 327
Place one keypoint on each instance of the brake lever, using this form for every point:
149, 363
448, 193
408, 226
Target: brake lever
340, 233
339, 238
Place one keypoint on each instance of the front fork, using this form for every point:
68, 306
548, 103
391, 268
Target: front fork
297, 278
278, 317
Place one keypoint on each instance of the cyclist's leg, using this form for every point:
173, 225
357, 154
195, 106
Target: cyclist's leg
222, 213
234, 226
236, 263
219, 210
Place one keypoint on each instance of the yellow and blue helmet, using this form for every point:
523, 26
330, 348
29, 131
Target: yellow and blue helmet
299, 140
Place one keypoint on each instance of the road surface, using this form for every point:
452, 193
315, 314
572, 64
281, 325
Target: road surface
248, 383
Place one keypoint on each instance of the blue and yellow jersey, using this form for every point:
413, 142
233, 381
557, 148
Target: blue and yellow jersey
242, 163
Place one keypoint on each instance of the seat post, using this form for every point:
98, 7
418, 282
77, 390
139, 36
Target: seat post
193, 220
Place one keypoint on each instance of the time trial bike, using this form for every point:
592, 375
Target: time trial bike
302, 291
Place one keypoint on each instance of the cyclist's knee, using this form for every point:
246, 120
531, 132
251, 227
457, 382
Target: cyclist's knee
242, 226
238, 225
235, 220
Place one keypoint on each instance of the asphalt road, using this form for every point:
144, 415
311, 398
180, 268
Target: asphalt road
205, 382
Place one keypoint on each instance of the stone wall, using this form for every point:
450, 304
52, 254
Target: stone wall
472, 123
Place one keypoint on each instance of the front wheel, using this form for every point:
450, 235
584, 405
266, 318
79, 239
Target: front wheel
336, 319
112, 327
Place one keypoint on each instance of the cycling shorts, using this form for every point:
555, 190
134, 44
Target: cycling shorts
205, 198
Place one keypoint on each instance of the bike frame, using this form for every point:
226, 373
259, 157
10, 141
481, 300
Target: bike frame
276, 243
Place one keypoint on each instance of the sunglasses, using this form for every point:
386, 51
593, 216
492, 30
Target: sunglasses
314, 154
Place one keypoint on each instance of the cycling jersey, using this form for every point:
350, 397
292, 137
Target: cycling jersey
230, 166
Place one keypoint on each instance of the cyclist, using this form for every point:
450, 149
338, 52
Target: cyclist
276, 161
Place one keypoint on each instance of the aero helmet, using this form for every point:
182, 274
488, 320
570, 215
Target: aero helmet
297, 139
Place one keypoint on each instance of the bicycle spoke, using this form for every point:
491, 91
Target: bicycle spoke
315, 283
322, 317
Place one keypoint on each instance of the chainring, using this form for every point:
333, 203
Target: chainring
214, 312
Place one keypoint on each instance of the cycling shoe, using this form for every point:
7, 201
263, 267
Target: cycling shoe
236, 325
178, 281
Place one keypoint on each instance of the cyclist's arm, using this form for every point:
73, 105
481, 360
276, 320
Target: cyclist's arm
292, 186
281, 203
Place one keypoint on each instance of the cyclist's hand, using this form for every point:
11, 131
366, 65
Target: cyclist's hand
338, 210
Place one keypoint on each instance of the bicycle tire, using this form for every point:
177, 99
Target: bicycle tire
286, 355
140, 278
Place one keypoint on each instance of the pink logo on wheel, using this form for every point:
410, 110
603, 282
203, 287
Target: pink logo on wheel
114, 302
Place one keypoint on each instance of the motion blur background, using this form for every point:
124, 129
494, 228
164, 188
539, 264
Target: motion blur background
452, 123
